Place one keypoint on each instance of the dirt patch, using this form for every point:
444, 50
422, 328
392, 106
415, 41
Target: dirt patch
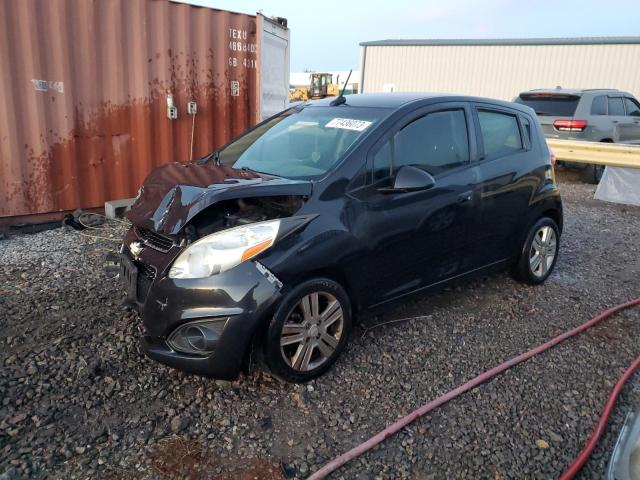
182, 458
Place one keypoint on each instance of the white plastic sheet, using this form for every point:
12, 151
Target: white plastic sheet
619, 185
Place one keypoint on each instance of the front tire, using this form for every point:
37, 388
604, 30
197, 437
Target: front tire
308, 331
539, 253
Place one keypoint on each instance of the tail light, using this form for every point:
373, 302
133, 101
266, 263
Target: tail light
570, 125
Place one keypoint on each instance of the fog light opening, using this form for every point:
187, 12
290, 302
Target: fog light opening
200, 338
197, 338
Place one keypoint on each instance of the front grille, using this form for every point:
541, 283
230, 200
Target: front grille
154, 240
146, 270
144, 279
146, 275
143, 286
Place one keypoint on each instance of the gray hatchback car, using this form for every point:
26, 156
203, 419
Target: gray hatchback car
593, 114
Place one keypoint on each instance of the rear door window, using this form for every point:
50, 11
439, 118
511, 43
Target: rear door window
633, 109
500, 133
547, 104
616, 107
599, 105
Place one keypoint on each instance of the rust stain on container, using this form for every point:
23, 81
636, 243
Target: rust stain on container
85, 85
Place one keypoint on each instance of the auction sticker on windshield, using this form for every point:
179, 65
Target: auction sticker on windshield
348, 124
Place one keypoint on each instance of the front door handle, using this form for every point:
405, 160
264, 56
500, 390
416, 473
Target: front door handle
465, 197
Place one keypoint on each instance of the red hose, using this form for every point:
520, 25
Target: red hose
581, 459
483, 377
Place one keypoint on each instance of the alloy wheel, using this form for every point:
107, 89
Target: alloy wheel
543, 251
312, 330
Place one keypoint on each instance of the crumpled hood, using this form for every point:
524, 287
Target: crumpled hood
173, 194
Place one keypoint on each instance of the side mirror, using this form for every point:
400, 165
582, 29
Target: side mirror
410, 179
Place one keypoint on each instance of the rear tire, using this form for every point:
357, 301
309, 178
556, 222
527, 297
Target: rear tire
539, 253
308, 331
593, 174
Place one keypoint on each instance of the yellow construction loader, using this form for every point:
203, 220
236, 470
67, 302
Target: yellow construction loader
321, 86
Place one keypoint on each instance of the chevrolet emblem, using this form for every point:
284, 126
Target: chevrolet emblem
135, 248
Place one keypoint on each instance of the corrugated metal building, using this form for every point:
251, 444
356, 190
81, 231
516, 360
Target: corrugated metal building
500, 68
86, 84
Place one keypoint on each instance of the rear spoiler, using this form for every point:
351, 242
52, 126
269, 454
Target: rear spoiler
558, 96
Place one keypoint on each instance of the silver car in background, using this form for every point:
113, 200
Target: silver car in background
592, 115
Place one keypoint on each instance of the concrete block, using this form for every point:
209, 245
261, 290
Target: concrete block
117, 208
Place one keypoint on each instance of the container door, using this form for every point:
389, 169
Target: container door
274, 67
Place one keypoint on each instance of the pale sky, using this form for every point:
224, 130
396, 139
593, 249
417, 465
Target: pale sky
325, 35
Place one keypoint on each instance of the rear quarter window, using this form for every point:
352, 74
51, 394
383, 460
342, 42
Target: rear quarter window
526, 124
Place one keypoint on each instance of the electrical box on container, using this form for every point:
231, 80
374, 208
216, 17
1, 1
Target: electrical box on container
172, 110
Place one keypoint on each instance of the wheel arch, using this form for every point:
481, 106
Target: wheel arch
338, 276
545, 208
334, 274
554, 215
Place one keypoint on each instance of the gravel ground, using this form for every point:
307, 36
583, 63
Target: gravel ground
79, 400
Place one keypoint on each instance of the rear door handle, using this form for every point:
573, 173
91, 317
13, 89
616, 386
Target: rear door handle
465, 197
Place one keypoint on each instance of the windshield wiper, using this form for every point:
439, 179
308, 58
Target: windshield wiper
247, 169
215, 156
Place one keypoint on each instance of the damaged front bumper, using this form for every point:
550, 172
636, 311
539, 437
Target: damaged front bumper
237, 300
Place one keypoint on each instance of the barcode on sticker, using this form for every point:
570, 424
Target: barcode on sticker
348, 124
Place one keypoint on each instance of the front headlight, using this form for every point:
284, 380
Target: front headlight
224, 250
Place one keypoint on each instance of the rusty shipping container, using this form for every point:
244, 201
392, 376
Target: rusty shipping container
86, 86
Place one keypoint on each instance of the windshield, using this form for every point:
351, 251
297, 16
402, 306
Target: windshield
550, 105
301, 143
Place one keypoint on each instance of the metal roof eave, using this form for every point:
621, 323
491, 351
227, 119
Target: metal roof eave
503, 41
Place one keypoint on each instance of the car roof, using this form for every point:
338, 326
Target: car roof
379, 100
396, 100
